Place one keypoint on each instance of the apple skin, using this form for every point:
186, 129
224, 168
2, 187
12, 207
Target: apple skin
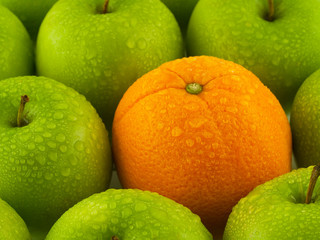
12, 226
182, 10
101, 55
30, 12
128, 214
304, 121
16, 47
59, 158
282, 52
276, 210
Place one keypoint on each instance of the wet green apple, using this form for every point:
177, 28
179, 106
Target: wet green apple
12, 226
279, 42
16, 48
127, 214
284, 208
305, 122
30, 12
54, 149
100, 47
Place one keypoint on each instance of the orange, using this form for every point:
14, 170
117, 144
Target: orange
202, 131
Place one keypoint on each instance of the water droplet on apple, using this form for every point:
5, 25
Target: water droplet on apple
30, 161
127, 212
48, 176
31, 146
65, 172
38, 139
40, 159
72, 118
79, 146
63, 148
60, 137
139, 224
142, 44
107, 72
140, 206
58, 115
130, 43
97, 72
79, 111
112, 205
73, 161
56, 97
60, 106
90, 54
53, 156
51, 125
51, 144
41, 148
13, 146
275, 61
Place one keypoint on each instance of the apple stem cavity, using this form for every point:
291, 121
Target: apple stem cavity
271, 10
313, 180
24, 100
115, 238
105, 7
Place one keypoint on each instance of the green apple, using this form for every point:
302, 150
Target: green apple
16, 47
182, 10
285, 208
277, 42
54, 149
12, 226
30, 12
126, 214
305, 122
101, 47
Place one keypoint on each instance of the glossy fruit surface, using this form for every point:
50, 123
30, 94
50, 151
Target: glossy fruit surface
30, 12
202, 131
12, 226
276, 210
128, 214
305, 122
282, 52
101, 54
16, 47
59, 156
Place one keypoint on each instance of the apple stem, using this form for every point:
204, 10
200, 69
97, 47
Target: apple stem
271, 10
115, 238
313, 180
24, 100
105, 7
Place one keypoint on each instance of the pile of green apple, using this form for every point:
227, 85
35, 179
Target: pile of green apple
64, 66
